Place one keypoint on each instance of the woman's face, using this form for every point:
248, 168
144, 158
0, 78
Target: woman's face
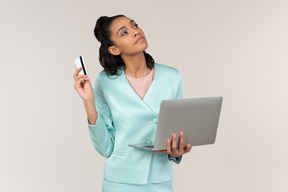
127, 37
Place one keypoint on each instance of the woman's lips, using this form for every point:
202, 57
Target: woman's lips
139, 40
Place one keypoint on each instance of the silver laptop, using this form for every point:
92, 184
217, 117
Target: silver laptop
197, 117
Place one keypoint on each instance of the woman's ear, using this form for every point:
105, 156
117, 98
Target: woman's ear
114, 50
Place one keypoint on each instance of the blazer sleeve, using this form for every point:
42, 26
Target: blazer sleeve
102, 134
179, 95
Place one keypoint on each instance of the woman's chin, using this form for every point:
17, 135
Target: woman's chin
145, 46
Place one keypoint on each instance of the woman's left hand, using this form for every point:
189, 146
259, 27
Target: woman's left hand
174, 151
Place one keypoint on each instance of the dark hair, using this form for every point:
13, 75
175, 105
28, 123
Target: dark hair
109, 62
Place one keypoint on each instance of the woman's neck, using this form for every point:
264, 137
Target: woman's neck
135, 66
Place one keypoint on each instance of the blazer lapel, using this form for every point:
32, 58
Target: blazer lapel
151, 100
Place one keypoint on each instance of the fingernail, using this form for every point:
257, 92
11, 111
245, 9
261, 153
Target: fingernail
174, 134
168, 140
181, 132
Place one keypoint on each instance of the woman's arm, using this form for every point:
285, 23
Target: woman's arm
84, 88
175, 154
100, 124
99, 120
91, 112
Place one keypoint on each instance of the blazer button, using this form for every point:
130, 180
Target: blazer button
155, 121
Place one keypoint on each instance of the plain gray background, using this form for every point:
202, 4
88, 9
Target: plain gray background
235, 49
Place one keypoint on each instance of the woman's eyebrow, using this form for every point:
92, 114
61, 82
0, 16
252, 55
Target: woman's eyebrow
124, 26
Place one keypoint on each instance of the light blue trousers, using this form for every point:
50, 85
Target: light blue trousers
109, 186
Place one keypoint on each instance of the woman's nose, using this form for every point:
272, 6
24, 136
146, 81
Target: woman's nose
135, 33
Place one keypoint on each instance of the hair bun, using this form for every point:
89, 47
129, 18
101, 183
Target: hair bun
100, 28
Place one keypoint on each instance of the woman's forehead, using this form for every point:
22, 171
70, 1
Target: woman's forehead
119, 22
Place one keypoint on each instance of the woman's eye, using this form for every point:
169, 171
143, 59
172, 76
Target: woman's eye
136, 25
124, 33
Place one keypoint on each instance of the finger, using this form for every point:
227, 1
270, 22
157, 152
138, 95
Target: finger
79, 81
181, 142
174, 149
77, 71
168, 146
82, 79
188, 148
160, 151
79, 77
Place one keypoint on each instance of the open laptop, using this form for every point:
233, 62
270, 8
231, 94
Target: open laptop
197, 117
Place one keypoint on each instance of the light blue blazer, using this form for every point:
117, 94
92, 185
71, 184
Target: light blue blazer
124, 118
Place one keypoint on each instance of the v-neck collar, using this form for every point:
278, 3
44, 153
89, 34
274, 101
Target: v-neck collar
152, 87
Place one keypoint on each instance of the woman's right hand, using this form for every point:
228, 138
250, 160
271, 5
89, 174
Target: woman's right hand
83, 86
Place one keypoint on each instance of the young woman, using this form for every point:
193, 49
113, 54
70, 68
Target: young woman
123, 108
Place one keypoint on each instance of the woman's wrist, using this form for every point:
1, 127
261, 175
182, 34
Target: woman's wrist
91, 112
89, 101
